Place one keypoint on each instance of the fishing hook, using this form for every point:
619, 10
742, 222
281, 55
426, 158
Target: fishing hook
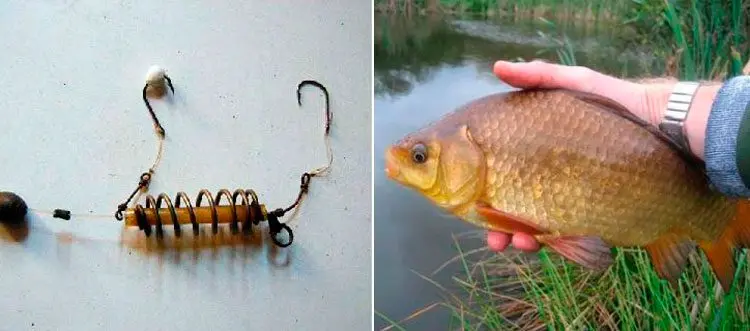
155, 78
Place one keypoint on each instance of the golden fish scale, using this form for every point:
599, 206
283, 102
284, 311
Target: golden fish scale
574, 169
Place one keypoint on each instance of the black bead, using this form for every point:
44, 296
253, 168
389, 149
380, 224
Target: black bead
61, 213
12, 208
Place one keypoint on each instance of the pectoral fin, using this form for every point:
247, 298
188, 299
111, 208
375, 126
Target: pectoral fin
588, 251
502, 221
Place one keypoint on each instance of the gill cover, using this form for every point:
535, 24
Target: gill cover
462, 168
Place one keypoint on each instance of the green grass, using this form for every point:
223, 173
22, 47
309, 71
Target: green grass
557, 295
515, 291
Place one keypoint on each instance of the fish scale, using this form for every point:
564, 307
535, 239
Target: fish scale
577, 171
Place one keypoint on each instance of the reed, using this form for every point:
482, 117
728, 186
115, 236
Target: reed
571, 9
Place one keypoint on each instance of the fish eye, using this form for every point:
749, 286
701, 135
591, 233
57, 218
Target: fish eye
419, 153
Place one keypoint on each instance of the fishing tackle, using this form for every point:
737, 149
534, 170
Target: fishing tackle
329, 115
161, 211
241, 211
12, 208
248, 212
155, 79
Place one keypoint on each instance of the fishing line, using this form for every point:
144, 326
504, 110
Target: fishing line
320, 171
242, 206
248, 212
67, 215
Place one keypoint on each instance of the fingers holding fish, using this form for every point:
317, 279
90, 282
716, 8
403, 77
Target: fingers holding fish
525, 242
645, 98
498, 241
540, 74
645, 101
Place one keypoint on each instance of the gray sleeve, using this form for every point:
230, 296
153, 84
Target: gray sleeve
724, 121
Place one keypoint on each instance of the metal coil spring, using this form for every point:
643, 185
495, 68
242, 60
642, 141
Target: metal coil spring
255, 211
249, 199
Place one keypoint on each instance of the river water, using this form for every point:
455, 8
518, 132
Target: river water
424, 68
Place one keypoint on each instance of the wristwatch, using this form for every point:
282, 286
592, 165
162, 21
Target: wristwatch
673, 123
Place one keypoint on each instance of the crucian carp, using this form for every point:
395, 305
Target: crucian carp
577, 171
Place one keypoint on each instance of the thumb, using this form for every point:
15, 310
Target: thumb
538, 74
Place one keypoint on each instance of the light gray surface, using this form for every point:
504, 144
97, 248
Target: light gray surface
76, 135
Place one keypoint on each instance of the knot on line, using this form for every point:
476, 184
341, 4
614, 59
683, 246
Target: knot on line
278, 212
305, 183
145, 179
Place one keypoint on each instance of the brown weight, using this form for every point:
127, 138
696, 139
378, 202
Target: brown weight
12, 208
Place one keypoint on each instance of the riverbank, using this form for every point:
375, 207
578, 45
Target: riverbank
607, 10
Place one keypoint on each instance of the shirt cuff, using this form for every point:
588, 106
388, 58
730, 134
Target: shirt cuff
724, 123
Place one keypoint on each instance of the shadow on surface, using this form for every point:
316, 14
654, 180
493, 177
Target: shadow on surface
15, 232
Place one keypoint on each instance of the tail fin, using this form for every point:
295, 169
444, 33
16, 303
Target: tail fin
720, 253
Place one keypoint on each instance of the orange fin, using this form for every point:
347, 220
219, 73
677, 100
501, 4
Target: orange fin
740, 227
719, 255
736, 235
507, 222
669, 255
588, 251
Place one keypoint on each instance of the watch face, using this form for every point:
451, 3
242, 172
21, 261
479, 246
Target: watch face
674, 131
671, 129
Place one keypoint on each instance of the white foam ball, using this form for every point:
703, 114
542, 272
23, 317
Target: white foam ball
155, 75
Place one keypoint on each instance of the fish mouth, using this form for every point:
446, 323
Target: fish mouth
391, 168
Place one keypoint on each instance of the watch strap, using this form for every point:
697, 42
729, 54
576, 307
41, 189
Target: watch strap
678, 106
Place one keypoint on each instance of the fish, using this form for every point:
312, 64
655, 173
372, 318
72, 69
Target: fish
577, 171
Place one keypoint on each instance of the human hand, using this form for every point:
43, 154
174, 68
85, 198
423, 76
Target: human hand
646, 99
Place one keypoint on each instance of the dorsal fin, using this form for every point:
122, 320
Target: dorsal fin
614, 107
